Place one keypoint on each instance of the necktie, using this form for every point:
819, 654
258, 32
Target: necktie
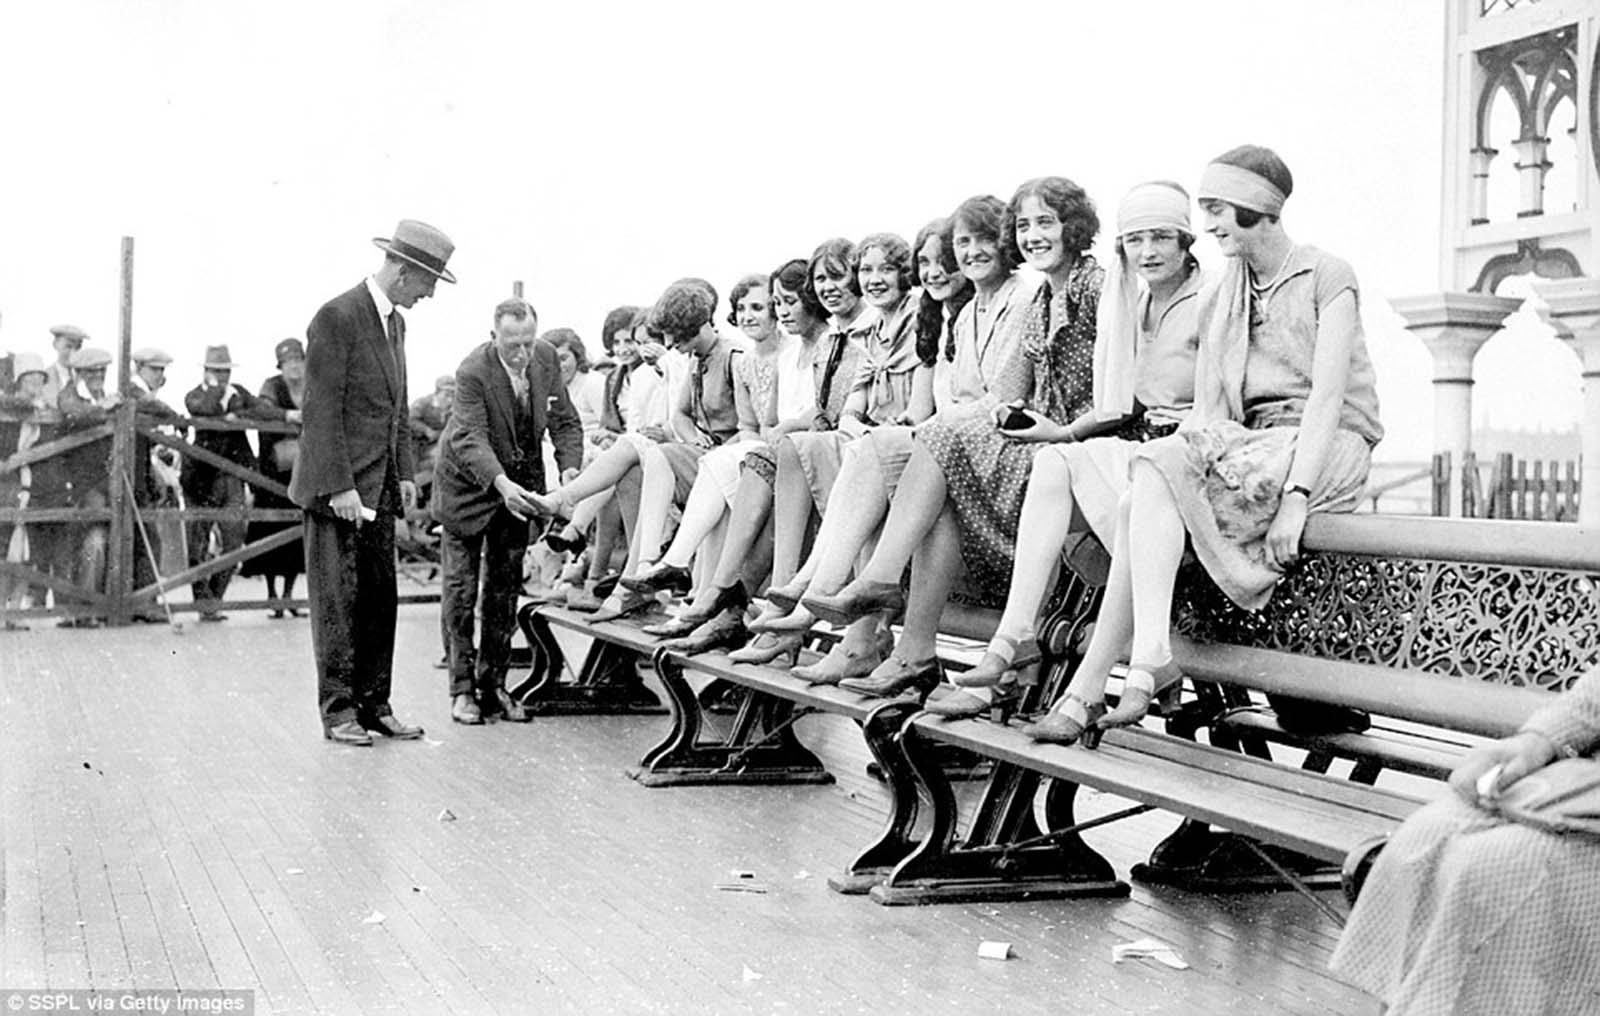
393, 328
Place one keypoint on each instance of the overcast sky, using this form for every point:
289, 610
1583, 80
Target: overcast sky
597, 151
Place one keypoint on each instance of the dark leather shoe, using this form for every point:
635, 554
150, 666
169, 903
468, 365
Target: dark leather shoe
723, 630
388, 725
511, 710
856, 600
894, 676
464, 709
556, 542
663, 576
348, 732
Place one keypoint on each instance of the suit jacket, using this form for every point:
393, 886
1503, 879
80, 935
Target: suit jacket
353, 428
489, 434
233, 445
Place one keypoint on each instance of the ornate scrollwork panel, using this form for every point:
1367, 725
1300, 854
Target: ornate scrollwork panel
1531, 627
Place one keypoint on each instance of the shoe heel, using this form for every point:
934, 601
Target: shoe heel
1090, 738
1169, 699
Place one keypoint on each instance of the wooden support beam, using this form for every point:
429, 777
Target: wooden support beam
220, 563
63, 588
52, 448
210, 458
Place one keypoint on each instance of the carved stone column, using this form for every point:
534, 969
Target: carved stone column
1574, 312
1454, 326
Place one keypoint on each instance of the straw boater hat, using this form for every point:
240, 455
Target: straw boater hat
217, 358
151, 356
90, 358
421, 245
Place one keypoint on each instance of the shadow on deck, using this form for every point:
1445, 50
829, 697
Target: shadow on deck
172, 817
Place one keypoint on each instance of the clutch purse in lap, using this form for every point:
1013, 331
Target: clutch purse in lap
1562, 798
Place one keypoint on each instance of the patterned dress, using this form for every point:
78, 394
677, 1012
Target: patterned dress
1050, 364
756, 398
1467, 914
1227, 477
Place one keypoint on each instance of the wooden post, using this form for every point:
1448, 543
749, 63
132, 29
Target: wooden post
516, 289
119, 538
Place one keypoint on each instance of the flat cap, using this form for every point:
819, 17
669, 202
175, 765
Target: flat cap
152, 356
68, 332
89, 358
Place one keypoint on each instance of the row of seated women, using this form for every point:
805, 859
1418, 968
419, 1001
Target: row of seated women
929, 406
925, 405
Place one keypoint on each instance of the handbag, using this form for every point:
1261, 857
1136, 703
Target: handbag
1562, 798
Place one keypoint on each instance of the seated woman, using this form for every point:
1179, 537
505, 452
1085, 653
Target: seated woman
968, 309
637, 400
961, 495
1144, 362
755, 392
771, 477
704, 412
1466, 912
1285, 418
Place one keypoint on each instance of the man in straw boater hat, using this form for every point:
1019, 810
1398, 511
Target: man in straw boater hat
353, 478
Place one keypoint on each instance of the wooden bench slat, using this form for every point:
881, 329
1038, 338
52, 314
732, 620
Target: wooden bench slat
1432, 757
1482, 541
1476, 707
1309, 813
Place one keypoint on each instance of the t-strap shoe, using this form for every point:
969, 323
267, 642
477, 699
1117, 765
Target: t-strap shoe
1061, 727
856, 600
1143, 687
1004, 656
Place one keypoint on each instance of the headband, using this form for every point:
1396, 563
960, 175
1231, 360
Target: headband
1241, 187
1154, 206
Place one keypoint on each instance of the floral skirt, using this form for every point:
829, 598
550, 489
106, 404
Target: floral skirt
1227, 481
986, 478
1465, 914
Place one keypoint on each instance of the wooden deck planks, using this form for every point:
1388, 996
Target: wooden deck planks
561, 886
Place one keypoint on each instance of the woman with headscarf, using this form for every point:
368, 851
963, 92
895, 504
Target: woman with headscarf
1144, 360
1284, 422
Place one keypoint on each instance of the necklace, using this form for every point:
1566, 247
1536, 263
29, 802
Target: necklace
1263, 287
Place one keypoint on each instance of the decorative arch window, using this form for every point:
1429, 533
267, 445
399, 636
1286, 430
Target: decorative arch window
1529, 91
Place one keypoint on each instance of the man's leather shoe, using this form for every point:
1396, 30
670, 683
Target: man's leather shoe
388, 725
348, 732
511, 710
464, 709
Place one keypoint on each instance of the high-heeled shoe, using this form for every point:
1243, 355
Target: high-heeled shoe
896, 675
676, 627
842, 664
557, 541
554, 504
797, 620
768, 647
954, 703
670, 577
1059, 728
1004, 656
856, 600
723, 630
1143, 687
785, 598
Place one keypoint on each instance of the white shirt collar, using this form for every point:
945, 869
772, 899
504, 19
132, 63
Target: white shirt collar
383, 303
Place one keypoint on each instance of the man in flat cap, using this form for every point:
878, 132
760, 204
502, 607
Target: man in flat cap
353, 478
208, 486
24, 398
66, 340
86, 403
155, 481
429, 414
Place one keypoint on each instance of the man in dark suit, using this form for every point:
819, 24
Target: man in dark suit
354, 478
508, 392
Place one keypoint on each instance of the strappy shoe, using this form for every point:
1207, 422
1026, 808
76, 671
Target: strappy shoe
856, 600
768, 647
842, 664
1145, 686
557, 541
1059, 728
954, 703
895, 676
1004, 656
676, 627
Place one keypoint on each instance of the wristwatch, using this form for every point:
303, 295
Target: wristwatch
1297, 488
